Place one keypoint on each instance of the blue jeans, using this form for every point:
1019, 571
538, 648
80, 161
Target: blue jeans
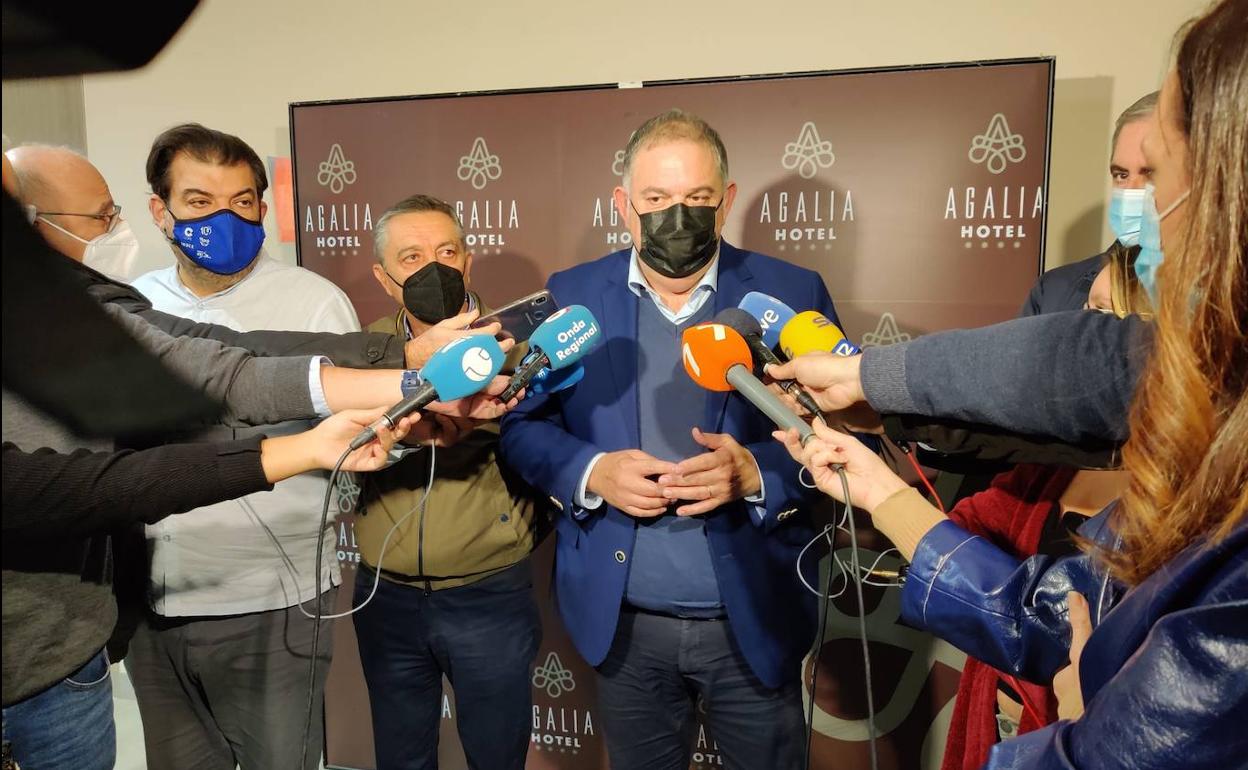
68, 726
659, 667
482, 637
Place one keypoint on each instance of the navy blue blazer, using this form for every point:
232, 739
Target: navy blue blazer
550, 440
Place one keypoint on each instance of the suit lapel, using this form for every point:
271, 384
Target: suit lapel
617, 308
734, 281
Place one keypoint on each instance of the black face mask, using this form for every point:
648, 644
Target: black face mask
433, 293
679, 240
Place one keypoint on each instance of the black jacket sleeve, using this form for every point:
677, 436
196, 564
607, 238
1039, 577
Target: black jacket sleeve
963, 447
54, 495
359, 350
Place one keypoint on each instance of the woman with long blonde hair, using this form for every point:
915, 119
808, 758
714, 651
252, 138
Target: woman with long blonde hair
1162, 680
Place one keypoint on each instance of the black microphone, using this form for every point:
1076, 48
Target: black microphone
748, 327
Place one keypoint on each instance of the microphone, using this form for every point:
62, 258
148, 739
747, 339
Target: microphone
751, 331
459, 368
552, 380
718, 358
771, 314
562, 340
813, 331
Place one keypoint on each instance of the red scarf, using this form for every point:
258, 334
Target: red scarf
1011, 513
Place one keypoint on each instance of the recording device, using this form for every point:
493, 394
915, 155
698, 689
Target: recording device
459, 368
718, 358
771, 314
751, 331
812, 331
560, 342
521, 318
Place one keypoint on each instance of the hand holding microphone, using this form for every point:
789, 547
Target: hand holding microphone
559, 343
751, 331
460, 368
821, 359
871, 482
718, 358
418, 350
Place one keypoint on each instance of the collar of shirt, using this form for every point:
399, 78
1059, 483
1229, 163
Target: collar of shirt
407, 323
263, 262
709, 284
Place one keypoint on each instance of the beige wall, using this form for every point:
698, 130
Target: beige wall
237, 64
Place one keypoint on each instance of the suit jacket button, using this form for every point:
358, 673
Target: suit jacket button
620, 557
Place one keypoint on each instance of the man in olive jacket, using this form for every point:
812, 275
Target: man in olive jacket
455, 594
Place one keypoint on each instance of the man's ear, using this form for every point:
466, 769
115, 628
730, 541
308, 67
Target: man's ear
730, 195
264, 210
158, 210
388, 286
467, 268
619, 196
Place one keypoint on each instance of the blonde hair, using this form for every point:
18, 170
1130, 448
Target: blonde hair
1188, 452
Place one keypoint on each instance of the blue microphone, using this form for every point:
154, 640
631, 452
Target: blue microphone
562, 340
552, 380
771, 313
458, 369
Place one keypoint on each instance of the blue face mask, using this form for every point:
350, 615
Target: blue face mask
1126, 211
1150, 257
222, 242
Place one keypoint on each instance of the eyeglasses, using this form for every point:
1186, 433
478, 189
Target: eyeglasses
109, 219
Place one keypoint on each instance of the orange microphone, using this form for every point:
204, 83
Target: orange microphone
718, 358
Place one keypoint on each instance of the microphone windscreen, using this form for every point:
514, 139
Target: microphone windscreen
812, 331
567, 336
552, 380
771, 314
739, 321
463, 366
709, 350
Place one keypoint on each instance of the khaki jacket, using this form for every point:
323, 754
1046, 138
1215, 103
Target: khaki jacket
479, 518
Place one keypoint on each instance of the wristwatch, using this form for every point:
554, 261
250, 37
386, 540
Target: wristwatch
410, 382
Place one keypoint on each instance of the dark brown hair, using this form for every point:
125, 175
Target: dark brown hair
203, 144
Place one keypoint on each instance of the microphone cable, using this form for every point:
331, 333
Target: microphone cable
320, 615
316, 630
847, 518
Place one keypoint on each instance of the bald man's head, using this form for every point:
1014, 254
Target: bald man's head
71, 199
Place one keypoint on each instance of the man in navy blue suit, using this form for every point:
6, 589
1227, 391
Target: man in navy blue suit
681, 519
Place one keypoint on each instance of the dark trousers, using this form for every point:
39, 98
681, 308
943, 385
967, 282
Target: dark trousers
220, 692
657, 670
482, 637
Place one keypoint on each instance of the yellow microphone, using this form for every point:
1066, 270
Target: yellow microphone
813, 331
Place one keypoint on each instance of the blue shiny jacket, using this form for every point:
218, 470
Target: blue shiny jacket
1164, 675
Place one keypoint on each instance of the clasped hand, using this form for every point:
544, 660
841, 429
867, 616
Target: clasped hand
644, 486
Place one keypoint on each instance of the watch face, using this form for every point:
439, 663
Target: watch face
410, 382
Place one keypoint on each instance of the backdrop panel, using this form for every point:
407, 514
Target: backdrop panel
918, 193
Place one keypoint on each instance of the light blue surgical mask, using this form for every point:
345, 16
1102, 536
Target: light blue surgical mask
1126, 210
1150, 257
